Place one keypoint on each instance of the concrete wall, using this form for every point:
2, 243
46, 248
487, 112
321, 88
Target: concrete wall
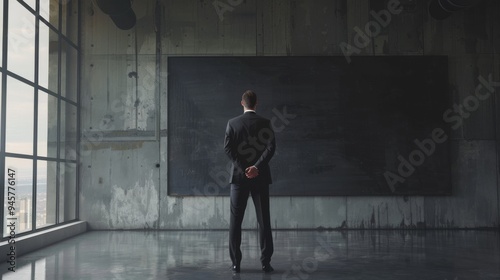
125, 124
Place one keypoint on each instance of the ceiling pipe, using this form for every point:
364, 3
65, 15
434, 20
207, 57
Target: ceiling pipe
442, 9
120, 12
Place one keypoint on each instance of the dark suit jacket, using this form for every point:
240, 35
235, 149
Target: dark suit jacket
249, 141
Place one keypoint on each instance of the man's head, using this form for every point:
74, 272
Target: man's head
249, 100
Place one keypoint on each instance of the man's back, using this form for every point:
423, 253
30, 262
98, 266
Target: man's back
249, 141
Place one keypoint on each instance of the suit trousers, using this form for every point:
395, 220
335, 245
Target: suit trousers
239, 198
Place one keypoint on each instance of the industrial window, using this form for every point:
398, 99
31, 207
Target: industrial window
39, 111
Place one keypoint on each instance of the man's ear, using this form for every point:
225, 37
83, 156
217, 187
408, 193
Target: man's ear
242, 103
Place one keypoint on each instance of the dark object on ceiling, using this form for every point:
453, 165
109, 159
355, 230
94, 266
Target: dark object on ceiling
442, 9
120, 12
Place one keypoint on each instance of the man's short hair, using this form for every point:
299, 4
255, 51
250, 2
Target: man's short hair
249, 99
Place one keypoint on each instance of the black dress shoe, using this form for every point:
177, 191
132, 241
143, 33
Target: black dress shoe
267, 268
235, 269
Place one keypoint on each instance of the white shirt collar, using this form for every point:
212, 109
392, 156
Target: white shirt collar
249, 111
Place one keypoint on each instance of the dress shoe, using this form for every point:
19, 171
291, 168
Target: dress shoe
267, 268
235, 269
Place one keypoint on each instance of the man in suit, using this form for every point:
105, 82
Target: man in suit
249, 142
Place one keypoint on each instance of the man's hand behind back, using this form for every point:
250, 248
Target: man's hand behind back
251, 172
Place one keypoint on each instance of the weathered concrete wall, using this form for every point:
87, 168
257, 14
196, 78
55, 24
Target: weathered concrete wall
125, 124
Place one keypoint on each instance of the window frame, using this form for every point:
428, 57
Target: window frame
35, 158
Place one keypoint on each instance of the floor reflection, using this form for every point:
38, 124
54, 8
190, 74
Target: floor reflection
298, 255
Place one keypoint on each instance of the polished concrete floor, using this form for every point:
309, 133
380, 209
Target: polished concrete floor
299, 255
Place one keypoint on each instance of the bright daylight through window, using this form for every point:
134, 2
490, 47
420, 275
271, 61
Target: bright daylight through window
39, 52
